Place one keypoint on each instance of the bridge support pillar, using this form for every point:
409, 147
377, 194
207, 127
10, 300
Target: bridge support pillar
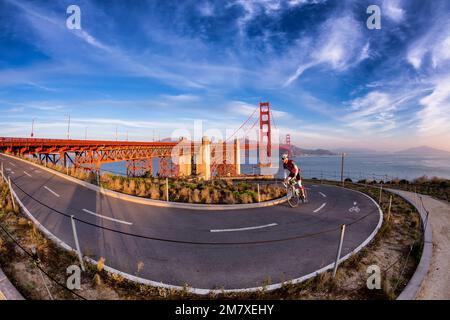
184, 157
204, 159
237, 157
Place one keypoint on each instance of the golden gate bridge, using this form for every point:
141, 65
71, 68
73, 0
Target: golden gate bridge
205, 158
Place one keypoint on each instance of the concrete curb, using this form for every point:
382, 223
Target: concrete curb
156, 203
412, 288
202, 291
7, 290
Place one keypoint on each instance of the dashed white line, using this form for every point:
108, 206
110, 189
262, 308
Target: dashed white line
323, 194
27, 174
244, 229
12, 164
51, 191
320, 208
107, 218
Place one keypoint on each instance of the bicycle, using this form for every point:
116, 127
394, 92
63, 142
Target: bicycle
294, 196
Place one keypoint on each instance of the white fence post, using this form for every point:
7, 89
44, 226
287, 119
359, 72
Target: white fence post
259, 195
338, 255
167, 189
77, 244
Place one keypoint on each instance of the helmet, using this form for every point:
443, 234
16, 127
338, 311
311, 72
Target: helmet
284, 156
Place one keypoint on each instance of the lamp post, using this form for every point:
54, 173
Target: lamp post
68, 127
342, 169
32, 127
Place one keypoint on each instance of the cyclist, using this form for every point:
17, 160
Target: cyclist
294, 172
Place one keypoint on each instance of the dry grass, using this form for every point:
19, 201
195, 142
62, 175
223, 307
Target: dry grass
193, 190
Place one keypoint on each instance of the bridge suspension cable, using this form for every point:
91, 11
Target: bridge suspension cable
243, 124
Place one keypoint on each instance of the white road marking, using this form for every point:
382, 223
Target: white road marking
320, 208
107, 218
51, 191
8, 169
244, 229
323, 194
12, 164
355, 208
27, 174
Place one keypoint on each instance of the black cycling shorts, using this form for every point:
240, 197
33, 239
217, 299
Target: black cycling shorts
296, 177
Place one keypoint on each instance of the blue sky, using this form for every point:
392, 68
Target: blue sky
160, 65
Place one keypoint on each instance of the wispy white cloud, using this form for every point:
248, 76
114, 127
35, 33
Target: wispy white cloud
372, 111
380, 112
393, 10
434, 118
340, 45
434, 44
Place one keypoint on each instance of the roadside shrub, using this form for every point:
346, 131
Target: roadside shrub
245, 198
142, 189
154, 192
205, 196
194, 196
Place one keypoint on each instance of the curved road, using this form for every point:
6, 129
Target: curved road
230, 249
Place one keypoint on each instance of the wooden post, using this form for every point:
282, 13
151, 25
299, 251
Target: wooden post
389, 209
259, 195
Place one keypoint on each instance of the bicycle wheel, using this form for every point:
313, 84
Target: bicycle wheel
292, 197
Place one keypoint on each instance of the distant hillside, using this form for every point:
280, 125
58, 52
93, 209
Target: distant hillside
356, 150
424, 150
311, 152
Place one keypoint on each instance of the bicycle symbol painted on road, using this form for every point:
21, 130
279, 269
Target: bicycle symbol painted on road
355, 208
